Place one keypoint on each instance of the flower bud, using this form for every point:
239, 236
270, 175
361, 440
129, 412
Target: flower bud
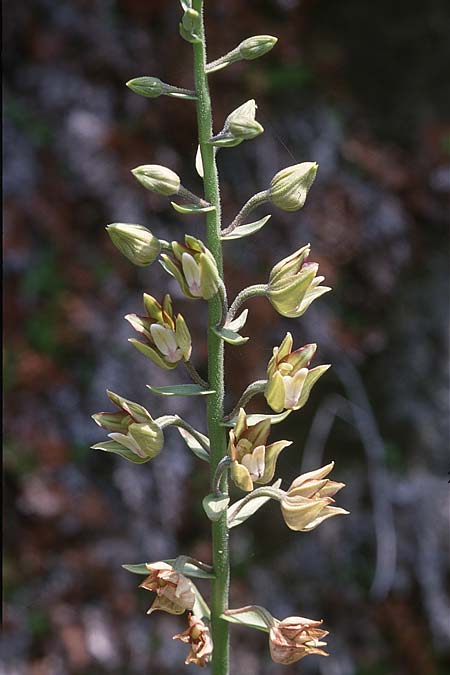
289, 187
151, 87
136, 242
158, 179
194, 267
294, 638
256, 46
239, 126
293, 284
197, 635
190, 25
166, 339
306, 504
134, 433
252, 459
289, 382
174, 592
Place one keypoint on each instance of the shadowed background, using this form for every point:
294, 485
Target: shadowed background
357, 87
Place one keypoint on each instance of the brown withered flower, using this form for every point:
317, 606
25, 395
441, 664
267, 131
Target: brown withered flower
197, 635
174, 591
295, 637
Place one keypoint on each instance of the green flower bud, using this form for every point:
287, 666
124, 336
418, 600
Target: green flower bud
253, 461
166, 339
134, 433
151, 87
158, 179
289, 382
190, 26
289, 187
239, 126
194, 267
293, 284
136, 242
256, 46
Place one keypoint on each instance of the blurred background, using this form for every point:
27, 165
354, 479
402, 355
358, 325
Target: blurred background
359, 87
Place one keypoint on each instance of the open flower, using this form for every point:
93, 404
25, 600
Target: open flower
194, 267
293, 284
167, 339
307, 502
174, 592
295, 637
197, 635
252, 460
289, 381
134, 433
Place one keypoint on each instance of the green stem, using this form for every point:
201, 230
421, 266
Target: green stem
222, 466
220, 585
176, 421
251, 205
252, 390
194, 375
243, 296
272, 493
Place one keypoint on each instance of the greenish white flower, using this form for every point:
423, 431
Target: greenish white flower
293, 284
134, 433
165, 338
253, 461
194, 267
289, 381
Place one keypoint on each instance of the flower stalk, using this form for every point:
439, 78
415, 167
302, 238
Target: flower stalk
220, 664
242, 452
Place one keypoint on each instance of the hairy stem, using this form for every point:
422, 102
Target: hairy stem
217, 435
251, 205
243, 296
222, 466
177, 421
272, 493
252, 390
195, 375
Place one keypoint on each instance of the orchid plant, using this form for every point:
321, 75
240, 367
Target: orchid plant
236, 444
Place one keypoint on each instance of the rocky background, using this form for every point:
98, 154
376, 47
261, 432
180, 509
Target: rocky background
359, 87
